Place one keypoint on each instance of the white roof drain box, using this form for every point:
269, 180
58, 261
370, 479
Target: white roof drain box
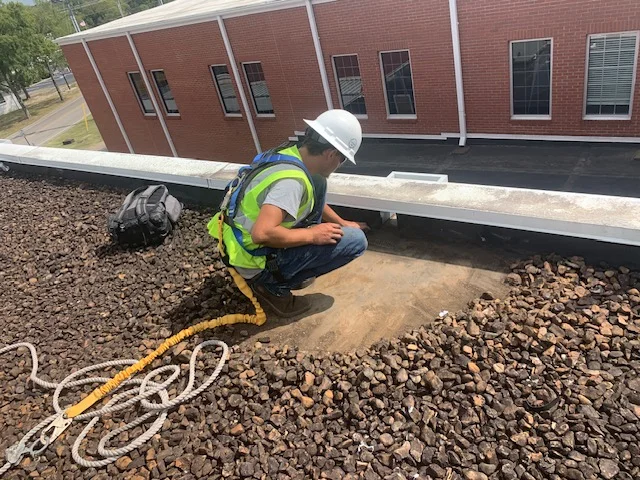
418, 177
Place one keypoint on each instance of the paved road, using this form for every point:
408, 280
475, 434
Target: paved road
46, 83
51, 125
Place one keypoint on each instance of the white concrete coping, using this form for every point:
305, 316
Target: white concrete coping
599, 217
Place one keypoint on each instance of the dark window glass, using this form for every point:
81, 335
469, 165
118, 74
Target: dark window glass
531, 67
225, 89
141, 92
165, 91
258, 86
350, 84
396, 69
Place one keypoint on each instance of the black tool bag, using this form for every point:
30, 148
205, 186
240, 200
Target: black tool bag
146, 217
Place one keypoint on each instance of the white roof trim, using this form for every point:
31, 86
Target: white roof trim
179, 13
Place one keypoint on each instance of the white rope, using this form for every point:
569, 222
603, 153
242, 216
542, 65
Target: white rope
143, 390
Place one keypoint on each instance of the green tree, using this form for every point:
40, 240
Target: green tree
52, 19
46, 58
20, 47
95, 12
135, 6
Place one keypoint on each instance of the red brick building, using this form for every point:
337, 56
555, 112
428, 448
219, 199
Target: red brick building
171, 80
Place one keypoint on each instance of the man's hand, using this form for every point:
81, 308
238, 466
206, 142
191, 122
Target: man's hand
326, 233
330, 215
361, 225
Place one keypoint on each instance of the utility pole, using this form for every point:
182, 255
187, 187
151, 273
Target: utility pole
65, 80
24, 135
54, 80
120, 8
72, 16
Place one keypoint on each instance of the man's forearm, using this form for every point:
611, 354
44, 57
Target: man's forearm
330, 215
281, 237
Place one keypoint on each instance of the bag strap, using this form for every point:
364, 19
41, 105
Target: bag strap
126, 205
141, 205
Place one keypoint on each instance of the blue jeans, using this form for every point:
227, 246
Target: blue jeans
298, 264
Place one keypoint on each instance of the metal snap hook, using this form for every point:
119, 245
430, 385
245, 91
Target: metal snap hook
39, 446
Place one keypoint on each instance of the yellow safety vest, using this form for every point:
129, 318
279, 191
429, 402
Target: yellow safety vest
249, 209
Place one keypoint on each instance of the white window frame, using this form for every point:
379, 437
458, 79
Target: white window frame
530, 117
135, 93
337, 80
384, 86
255, 107
215, 82
586, 78
155, 84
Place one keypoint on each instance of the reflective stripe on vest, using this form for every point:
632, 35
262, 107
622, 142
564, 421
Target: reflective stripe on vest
249, 209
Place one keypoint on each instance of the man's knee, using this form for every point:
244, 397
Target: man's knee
356, 241
363, 243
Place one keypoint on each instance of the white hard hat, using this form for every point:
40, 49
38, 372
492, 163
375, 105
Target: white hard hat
341, 129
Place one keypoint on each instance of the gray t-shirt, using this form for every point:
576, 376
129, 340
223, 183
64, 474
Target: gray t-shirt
285, 194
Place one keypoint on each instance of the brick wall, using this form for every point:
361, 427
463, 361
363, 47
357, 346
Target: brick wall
114, 60
202, 130
281, 41
367, 28
487, 27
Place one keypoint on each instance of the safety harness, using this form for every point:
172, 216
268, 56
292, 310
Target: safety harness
234, 193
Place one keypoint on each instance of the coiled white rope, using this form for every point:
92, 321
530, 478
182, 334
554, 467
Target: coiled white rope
144, 389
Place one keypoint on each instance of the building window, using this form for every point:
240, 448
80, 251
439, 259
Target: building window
349, 84
531, 78
611, 65
162, 85
258, 86
398, 84
226, 92
142, 94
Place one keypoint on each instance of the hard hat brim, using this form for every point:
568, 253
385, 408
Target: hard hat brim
321, 131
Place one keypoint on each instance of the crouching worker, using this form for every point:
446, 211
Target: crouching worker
273, 233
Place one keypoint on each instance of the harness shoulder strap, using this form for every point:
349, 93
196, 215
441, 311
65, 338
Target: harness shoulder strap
259, 163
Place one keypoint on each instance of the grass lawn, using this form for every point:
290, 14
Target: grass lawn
83, 139
41, 103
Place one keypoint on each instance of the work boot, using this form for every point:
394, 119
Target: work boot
285, 306
306, 283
